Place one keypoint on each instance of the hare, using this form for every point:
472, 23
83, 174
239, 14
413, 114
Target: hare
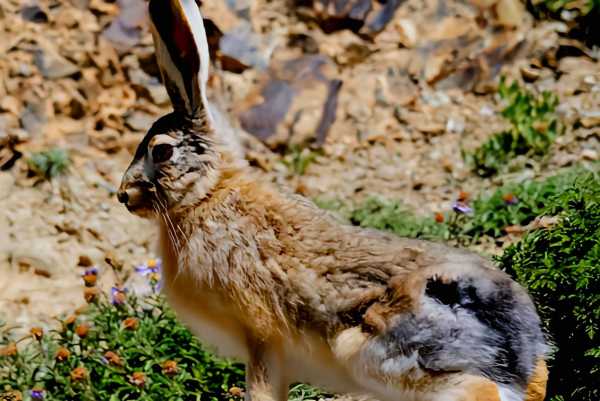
266, 277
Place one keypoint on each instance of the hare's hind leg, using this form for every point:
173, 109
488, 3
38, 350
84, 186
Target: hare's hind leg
393, 375
265, 379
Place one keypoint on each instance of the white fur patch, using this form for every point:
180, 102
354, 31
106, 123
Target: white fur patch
509, 394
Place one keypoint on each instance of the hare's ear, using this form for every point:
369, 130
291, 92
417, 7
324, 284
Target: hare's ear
182, 54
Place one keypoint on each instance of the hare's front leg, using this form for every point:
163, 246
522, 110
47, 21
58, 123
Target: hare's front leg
265, 379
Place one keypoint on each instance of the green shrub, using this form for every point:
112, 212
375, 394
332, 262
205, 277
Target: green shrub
297, 159
122, 348
136, 350
580, 15
561, 268
582, 8
534, 127
515, 204
49, 163
303, 392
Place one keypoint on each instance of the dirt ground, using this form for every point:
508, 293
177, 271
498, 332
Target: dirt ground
80, 75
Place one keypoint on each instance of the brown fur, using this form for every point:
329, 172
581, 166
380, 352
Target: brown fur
536, 389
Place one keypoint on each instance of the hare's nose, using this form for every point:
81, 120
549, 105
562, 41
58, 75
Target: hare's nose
123, 197
132, 196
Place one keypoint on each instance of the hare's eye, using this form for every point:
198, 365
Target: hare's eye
162, 152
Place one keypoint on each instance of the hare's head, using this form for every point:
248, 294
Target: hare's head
180, 159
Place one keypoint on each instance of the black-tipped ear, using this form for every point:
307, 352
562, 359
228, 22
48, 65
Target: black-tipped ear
182, 54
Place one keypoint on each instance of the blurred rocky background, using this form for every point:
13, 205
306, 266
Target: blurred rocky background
341, 99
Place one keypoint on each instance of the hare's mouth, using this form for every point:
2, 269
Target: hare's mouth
141, 210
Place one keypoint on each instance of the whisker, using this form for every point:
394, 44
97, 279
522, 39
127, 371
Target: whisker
170, 226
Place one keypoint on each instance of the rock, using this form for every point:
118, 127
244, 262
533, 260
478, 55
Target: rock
125, 31
296, 98
139, 121
455, 125
34, 119
108, 139
409, 35
51, 64
589, 154
590, 119
11, 104
510, 12
8, 152
34, 14
530, 74
245, 47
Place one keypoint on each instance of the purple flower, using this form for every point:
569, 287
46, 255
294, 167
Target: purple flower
118, 295
37, 394
92, 271
462, 208
152, 266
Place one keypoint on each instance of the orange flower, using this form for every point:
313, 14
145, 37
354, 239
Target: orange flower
138, 379
131, 323
90, 280
70, 320
79, 374
236, 392
90, 294
113, 358
510, 199
439, 217
463, 196
170, 368
9, 350
82, 330
62, 354
37, 333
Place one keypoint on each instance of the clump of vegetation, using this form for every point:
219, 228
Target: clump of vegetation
297, 159
582, 8
49, 164
515, 205
582, 16
397, 218
120, 347
534, 127
127, 349
303, 392
561, 268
